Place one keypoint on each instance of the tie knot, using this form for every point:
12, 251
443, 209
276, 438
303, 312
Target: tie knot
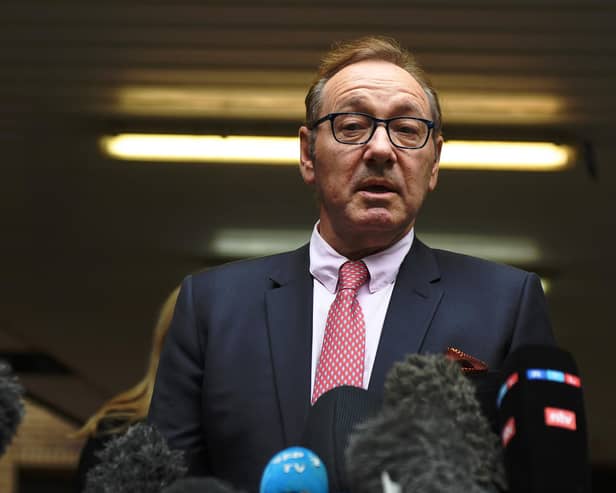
353, 274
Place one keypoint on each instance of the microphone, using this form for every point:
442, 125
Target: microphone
430, 435
542, 422
139, 460
12, 408
294, 470
330, 421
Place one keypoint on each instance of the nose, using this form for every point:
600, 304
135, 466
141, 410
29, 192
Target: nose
379, 148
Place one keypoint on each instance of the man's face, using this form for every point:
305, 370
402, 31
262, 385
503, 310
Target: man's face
370, 194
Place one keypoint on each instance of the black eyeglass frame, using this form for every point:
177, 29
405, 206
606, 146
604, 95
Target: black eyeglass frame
376, 121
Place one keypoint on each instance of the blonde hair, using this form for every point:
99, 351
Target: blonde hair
133, 404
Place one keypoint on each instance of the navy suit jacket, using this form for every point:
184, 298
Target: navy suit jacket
233, 384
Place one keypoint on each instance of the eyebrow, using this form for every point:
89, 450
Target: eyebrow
405, 108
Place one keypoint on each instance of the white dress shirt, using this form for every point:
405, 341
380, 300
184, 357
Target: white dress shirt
373, 296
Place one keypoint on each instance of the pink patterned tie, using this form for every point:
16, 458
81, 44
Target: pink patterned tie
344, 343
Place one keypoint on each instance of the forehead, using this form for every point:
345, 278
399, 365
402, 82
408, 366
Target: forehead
374, 86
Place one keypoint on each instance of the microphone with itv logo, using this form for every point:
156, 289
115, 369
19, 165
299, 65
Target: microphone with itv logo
542, 422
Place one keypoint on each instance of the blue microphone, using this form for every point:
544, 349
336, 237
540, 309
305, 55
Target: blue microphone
294, 470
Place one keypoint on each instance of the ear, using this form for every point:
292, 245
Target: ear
306, 163
438, 146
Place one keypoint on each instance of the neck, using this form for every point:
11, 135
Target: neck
359, 246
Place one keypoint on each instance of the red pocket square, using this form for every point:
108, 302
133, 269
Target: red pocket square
468, 363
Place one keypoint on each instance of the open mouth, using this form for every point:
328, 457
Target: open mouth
377, 189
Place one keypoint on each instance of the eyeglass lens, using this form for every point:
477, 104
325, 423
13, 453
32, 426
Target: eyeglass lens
358, 129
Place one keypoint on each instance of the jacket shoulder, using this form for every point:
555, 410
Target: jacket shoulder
272, 267
474, 266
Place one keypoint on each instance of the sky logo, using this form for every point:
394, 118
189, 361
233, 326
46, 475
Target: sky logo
553, 376
572, 380
536, 374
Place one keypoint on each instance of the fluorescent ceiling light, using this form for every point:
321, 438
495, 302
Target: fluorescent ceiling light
240, 243
503, 108
203, 148
221, 101
527, 156
506, 249
517, 156
280, 95
244, 243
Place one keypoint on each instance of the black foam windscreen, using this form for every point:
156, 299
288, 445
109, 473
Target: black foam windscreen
140, 460
330, 421
430, 435
486, 386
12, 407
542, 422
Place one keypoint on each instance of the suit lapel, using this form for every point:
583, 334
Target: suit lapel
412, 306
289, 320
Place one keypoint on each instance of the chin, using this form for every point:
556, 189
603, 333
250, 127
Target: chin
378, 218
382, 227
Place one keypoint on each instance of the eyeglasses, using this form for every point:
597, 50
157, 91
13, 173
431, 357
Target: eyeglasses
406, 132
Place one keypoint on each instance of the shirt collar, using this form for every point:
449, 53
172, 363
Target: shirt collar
383, 266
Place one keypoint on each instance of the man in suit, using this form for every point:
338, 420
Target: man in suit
242, 360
